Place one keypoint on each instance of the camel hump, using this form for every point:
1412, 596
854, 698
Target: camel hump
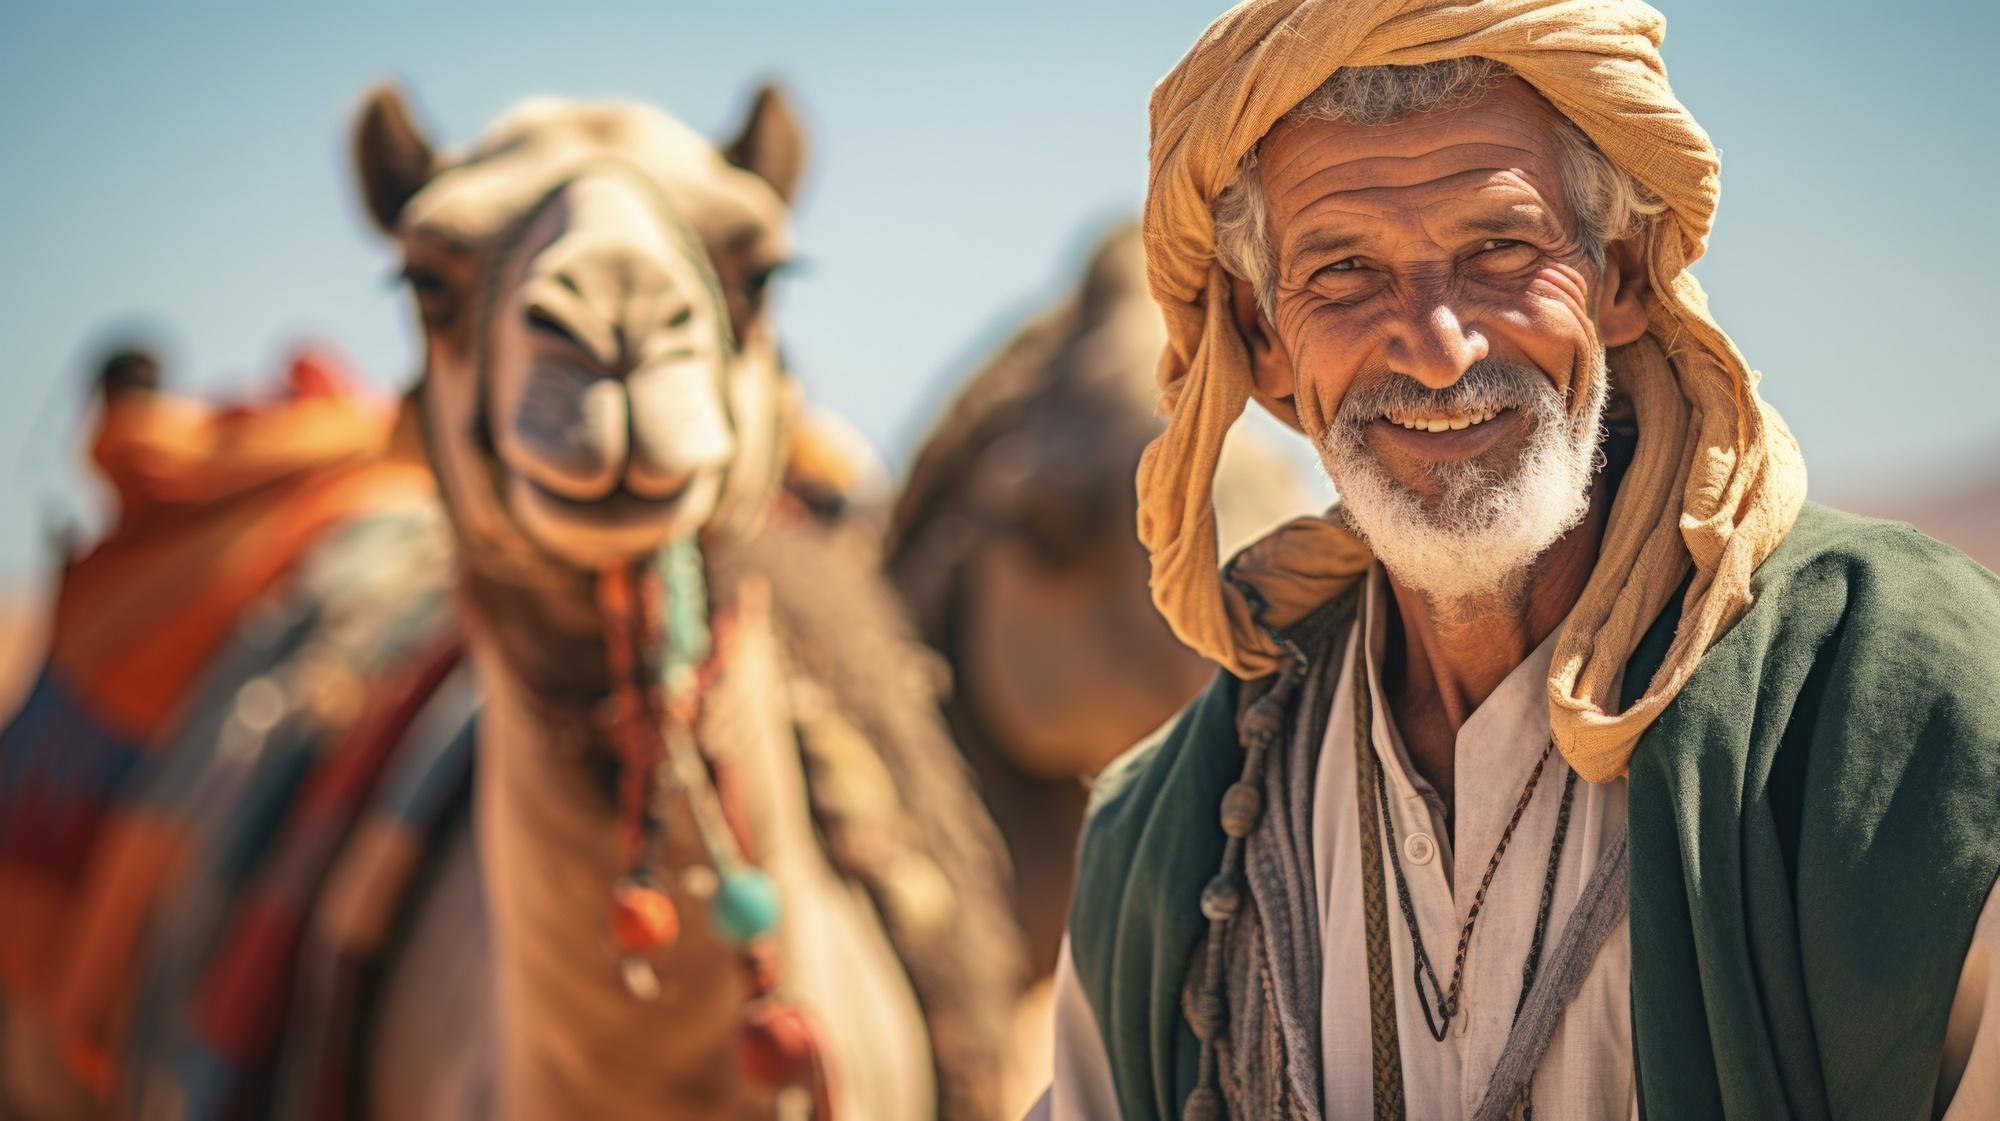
1116, 271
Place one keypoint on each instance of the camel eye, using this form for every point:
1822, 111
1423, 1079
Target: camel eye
435, 300
758, 282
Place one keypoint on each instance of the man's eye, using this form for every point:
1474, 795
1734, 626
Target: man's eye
1345, 264
1503, 255
1505, 245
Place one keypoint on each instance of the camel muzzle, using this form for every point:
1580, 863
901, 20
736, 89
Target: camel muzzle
603, 469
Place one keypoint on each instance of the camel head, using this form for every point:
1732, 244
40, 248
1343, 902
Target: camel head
600, 376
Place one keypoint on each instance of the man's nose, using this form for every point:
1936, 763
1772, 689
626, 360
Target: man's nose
1435, 346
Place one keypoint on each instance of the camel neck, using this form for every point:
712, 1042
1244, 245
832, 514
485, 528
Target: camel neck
573, 1041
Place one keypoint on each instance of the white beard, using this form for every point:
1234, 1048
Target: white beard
1477, 537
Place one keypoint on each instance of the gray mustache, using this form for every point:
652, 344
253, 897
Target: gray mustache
1488, 384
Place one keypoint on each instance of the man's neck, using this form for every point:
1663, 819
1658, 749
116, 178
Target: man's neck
1443, 659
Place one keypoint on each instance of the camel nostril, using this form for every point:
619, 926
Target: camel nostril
570, 434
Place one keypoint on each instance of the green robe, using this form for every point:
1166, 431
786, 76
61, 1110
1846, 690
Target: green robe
1815, 825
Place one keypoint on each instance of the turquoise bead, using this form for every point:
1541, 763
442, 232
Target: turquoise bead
746, 905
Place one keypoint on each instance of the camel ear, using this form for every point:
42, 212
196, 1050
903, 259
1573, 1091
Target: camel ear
772, 144
391, 155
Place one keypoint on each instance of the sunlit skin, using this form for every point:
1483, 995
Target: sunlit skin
1419, 248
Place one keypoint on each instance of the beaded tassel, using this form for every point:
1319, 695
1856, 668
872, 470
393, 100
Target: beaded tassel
1257, 730
661, 655
642, 917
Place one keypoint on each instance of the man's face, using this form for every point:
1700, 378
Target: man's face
1440, 328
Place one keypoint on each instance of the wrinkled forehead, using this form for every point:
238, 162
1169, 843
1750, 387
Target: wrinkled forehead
1509, 134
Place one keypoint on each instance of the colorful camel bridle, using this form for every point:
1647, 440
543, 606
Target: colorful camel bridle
664, 658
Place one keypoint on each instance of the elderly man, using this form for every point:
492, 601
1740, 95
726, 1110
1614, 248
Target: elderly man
1360, 876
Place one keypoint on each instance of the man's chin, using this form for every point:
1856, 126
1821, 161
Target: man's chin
1469, 539
1443, 494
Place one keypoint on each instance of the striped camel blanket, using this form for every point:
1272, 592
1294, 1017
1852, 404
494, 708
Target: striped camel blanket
251, 720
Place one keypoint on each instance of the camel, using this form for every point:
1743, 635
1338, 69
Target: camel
1013, 541
699, 712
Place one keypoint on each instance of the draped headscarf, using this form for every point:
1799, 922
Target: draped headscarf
1716, 479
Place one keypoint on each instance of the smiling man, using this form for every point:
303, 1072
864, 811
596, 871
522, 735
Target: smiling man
1574, 766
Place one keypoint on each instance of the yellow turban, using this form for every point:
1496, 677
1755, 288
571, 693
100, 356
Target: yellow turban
1716, 479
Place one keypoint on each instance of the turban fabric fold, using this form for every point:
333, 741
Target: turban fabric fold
1716, 480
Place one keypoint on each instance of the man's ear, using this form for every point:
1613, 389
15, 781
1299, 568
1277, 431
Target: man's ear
1621, 293
392, 158
1270, 367
772, 144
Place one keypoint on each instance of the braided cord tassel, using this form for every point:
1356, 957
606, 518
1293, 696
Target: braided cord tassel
643, 918
1385, 1044
1242, 808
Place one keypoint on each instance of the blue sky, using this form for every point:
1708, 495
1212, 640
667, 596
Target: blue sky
181, 168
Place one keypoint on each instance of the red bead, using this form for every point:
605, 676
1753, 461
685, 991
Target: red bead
778, 1045
643, 918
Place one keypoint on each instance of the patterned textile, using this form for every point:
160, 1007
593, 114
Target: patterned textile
216, 503
321, 705
389, 853
274, 567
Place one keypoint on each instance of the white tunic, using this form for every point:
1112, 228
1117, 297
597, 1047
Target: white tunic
1587, 1072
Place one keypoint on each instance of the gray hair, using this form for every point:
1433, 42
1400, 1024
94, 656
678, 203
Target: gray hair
1605, 203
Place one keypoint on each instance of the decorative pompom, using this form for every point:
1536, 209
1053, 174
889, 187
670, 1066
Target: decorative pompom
1205, 1104
746, 905
778, 1045
643, 919
1242, 805
1260, 725
1221, 899
1206, 1015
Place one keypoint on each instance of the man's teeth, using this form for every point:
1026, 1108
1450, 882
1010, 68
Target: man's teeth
1443, 424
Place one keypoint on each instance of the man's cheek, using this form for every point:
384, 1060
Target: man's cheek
1552, 338
1317, 406
1320, 387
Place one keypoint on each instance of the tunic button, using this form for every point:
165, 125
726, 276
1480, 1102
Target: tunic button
1418, 848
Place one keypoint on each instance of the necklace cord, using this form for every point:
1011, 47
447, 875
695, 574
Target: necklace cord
1446, 998
1441, 1003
